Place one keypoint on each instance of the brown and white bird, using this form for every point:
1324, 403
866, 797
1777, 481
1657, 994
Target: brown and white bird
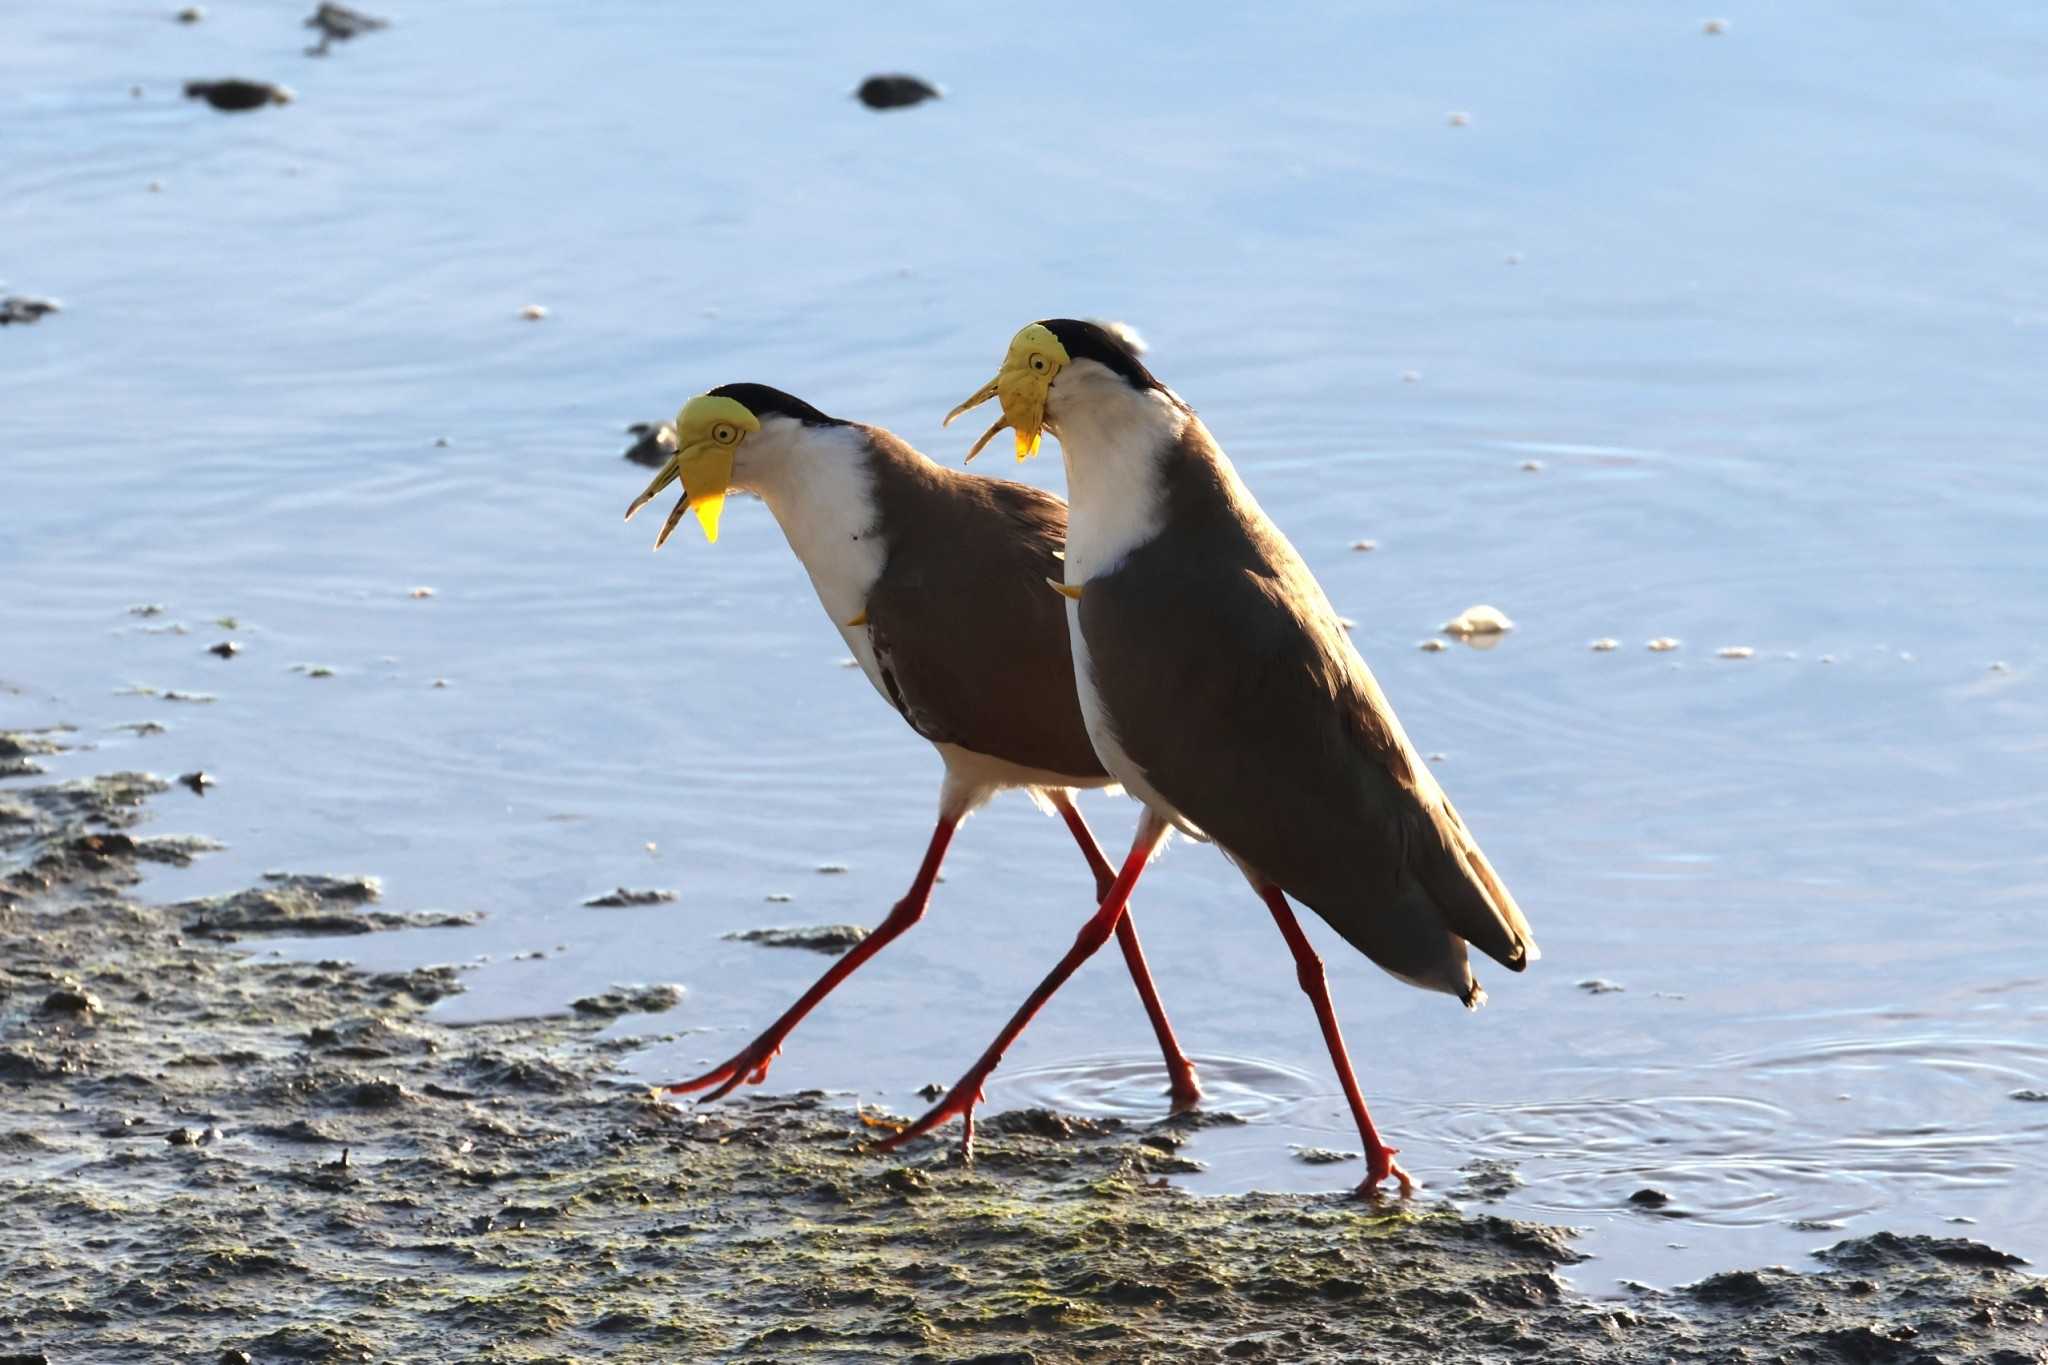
1220, 689
935, 579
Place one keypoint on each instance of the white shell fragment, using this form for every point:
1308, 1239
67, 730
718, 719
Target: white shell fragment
1606, 644
1479, 620
1663, 644
1735, 652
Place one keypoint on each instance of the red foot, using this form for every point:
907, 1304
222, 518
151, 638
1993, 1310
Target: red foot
959, 1104
1380, 1164
748, 1066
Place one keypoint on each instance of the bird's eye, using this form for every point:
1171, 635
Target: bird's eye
725, 433
1038, 363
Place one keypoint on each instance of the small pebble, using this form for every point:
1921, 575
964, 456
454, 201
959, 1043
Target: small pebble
1322, 1156
440, 682
2000, 667
197, 781
1827, 658
2031, 1096
1598, 985
182, 1137
1432, 646
1514, 258
1714, 28
1734, 652
1436, 758
1663, 644
1479, 620
1647, 1198
440, 443
895, 92
832, 869
191, 14
534, 312
930, 1090
778, 898
1459, 120
1532, 466
421, 592
1411, 376
1606, 644
73, 999
1365, 546
226, 649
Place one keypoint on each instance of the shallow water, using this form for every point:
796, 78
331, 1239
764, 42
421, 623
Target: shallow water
1769, 308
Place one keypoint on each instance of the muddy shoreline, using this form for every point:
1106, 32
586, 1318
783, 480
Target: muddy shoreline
208, 1156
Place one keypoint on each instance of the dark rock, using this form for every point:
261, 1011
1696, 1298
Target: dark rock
235, 96
1647, 1198
1323, 1156
1884, 1249
895, 92
653, 443
630, 1000
819, 938
622, 896
73, 999
227, 649
1742, 1288
930, 1090
16, 308
231, 1356
2031, 1096
1047, 1123
1601, 986
197, 781
182, 1137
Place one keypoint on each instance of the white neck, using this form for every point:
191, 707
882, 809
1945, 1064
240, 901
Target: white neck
1110, 438
817, 483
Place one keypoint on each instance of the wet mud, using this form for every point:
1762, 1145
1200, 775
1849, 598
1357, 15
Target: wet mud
210, 1156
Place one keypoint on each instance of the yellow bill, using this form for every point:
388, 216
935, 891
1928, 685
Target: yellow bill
1034, 358
708, 432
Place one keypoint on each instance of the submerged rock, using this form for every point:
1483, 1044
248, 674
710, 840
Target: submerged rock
819, 938
17, 308
236, 96
622, 896
338, 24
621, 1000
895, 92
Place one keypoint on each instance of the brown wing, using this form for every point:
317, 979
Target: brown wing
1229, 682
971, 643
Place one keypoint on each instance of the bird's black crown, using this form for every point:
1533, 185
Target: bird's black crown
1093, 341
763, 401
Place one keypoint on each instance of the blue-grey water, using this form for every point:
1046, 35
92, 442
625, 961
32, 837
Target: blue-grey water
1768, 308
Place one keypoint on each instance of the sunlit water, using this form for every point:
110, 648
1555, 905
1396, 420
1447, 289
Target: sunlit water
1768, 308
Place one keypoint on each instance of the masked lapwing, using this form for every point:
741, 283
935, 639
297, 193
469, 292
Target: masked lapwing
935, 579
1220, 689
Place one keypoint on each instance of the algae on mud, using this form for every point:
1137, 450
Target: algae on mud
230, 1158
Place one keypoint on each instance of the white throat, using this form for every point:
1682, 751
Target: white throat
817, 483
1110, 438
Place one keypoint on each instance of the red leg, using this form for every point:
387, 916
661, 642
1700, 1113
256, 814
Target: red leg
750, 1064
961, 1099
1308, 970
1185, 1091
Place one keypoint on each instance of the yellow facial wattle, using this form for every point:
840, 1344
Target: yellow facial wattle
708, 432
1035, 358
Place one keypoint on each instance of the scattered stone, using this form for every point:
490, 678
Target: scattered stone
235, 96
419, 594
1411, 376
1459, 120
226, 649
72, 998
1648, 1198
16, 308
1714, 28
1735, 652
630, 1000
832, 939
1323, 1156
191, 14
2031, 1096
1365, 546
1432, 646
832, 869
1597, 985
18, 749
313, 670
2000, 666
143, 729
1532, 466
1740, 1288
778, 898
895, 92
182, 1137
1477, 621
534, 312
1606, 644
1814, 1225
1663, 644
338, 24
931, 1091
653, 443
623, 896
